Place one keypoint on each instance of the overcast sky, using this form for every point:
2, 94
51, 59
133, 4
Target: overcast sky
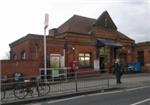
20, 17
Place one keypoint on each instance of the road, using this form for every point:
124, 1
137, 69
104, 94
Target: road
134, 96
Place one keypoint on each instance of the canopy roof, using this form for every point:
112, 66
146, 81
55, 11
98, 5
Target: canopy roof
106, 42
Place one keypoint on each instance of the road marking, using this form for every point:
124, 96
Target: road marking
61, 100
95, 94
137, 88
36, 104
140, 102
117, 91
76, 97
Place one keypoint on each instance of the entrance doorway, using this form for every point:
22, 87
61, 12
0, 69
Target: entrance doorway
104, 57
102, 63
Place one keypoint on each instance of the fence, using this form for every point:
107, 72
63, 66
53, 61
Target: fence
70, 83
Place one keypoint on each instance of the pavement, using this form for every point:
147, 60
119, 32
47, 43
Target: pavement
86, 85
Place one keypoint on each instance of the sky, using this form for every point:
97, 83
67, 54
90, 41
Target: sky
21, 17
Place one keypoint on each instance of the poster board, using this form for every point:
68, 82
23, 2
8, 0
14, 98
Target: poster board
55, 72
55, 60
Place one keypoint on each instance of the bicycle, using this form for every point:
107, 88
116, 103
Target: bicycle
22, 89
3, 89
3, 93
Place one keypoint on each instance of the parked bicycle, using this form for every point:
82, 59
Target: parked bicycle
3, 92
3, 80
22, 89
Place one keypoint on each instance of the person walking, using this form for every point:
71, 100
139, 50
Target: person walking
118, 71
72, 65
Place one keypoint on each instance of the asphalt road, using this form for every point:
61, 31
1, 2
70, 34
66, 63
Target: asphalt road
134, 96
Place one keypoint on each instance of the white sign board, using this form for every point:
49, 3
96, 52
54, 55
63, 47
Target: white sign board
96, 65
62, 61
55, 60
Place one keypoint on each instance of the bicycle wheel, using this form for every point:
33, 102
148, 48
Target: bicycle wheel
20, 92
43, 89
2, 94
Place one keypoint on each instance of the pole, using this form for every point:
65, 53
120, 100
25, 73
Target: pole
66, 51
45, 63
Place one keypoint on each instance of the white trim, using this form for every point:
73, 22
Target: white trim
140, 102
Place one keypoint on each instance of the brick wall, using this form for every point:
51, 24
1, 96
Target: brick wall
146, 48
27, 68
104, 33
24, 46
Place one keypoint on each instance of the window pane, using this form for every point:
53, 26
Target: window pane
23, 55
141, 57
87, 58
82, 58
81, 54
102, 50
87, 54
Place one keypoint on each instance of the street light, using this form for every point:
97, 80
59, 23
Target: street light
73, 48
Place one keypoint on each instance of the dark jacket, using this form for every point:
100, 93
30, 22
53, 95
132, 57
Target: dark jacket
118, 69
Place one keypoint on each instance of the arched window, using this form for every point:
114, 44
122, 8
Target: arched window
23, 55
14, 56
36, 49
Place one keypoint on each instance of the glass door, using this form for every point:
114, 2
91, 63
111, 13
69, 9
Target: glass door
104, 58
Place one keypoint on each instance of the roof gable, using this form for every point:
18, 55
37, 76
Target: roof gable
77, 24
85, 26
105, 20
21, 40
143, 44
123, 37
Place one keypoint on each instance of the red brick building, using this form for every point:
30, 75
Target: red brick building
84, 40
143, 55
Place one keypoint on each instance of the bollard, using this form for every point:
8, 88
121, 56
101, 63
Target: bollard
76, 81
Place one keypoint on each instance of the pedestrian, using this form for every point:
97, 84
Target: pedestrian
118, 70
72, 68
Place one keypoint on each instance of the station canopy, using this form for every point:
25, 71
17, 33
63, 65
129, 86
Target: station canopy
106, 42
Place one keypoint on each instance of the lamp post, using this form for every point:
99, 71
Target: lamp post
45, 62
44, 40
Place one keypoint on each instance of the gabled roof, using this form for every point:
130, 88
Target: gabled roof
105, 21
24, 39
84, 25
123, 37
141, 44
77, 24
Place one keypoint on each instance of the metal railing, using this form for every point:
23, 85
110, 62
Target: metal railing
74, 82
